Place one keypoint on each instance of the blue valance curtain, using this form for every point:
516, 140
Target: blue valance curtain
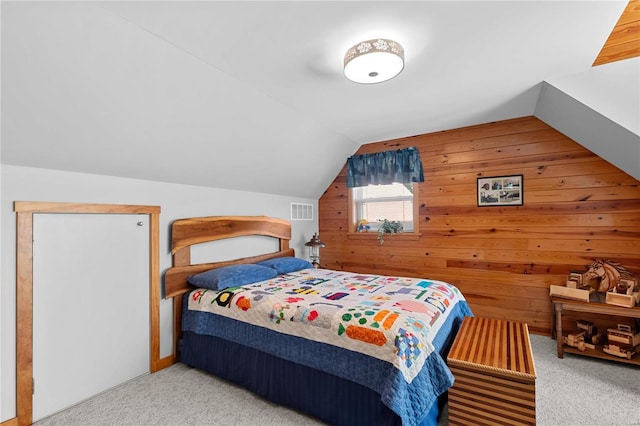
384, 168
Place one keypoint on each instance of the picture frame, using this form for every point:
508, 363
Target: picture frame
500, 191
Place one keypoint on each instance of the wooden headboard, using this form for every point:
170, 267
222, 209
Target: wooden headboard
197, 230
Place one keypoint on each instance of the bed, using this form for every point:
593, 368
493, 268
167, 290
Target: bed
346, 348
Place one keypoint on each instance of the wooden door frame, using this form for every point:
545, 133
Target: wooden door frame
24, 289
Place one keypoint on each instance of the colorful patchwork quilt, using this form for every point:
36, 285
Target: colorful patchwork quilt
393, 319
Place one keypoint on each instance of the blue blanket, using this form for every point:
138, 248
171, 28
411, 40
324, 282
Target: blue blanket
410, 392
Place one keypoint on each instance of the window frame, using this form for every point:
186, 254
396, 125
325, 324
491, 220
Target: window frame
353, 217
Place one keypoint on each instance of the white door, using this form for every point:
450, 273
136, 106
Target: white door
90, 306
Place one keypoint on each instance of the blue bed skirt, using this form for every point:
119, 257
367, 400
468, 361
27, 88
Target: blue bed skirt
329, 398
237, 352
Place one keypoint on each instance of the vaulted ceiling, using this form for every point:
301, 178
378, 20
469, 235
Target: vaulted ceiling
251, 95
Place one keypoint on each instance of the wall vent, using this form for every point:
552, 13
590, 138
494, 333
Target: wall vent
300, 211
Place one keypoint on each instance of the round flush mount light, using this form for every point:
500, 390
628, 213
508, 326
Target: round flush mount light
373, 61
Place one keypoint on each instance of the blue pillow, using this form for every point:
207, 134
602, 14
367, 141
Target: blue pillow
231, 276
284, 265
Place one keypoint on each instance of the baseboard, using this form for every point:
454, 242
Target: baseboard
10, 422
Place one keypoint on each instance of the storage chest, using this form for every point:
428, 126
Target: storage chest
494, 372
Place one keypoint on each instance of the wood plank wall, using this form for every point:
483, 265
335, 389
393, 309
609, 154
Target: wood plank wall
624, 41
577, 207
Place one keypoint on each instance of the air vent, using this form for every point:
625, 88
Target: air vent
301, 211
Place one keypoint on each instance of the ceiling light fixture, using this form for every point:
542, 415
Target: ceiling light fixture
374, 61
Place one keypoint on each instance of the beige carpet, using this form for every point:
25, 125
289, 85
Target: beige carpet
570, 391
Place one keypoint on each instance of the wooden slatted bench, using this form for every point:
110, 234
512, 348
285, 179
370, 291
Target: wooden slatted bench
495, 376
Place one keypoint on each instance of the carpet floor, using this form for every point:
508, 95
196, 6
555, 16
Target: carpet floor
575, 390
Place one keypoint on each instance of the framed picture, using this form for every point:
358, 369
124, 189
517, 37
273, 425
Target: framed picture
500, 191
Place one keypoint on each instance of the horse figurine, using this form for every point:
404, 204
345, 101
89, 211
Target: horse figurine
609, 273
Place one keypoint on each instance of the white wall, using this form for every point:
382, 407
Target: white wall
600, 109
176, 201
612, 89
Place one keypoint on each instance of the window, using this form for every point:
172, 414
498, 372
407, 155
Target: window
393, 202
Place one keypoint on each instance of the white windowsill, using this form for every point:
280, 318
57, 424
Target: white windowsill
374, 235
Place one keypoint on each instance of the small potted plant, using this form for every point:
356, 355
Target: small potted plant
388, 227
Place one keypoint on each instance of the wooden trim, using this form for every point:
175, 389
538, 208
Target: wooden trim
11, 422
165, 362
24, 289
52, 207
24, 318
352, 221
154, 293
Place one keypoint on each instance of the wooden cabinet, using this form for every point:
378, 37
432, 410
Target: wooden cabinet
561, 306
